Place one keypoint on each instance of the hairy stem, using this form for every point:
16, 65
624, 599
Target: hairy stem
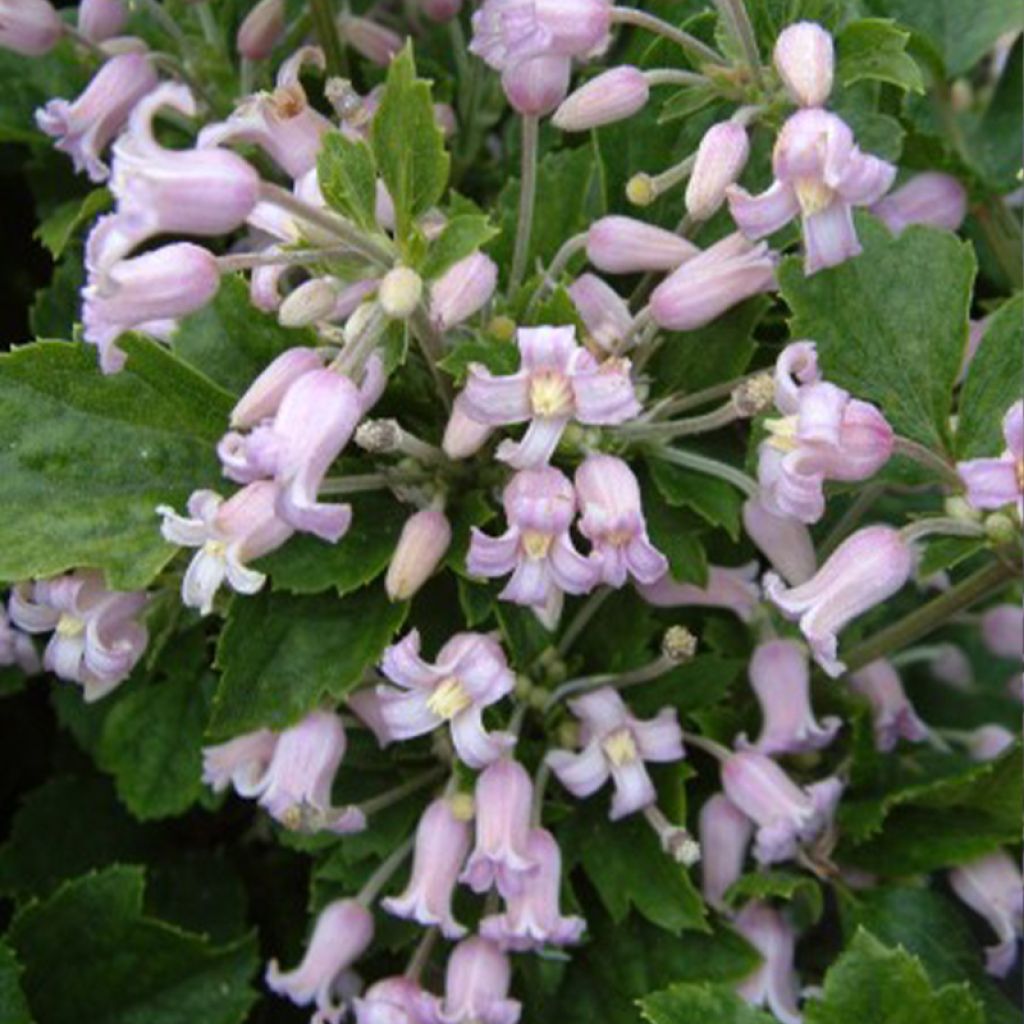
928, 459
527, 201
702, 464
380, 878
652, 670
698, 52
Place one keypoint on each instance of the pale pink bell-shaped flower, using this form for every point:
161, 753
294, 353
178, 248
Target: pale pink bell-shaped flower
865, 570
804, 57
988, 742
29, 27
425, 539
992, 887
476, 987
240, 763
98, 637
501, 857
787, 815
734, 590
558, 381
343, 932
261, 30
784, 540
540, 505
894, 715
603, 311
612, 519
1002, 629
720, 159
725, 833
442, 843
932, 198
99, 20
537, 86
228, 534
781, 679
612, 96
369, 38
470, 674
462, 290
623, 245
16, 647
721, 277
774, 983
820, 175
463, 435
397, 1000
532, 918
615, 746
263, 396
993, 483
84, 127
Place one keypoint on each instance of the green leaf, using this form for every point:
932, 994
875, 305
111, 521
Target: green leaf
946, 552
348, 178
461, 237
891, 325
715, 501
281, 655
308, 565
231, 341
30, 82
673, 535
91, 954
687, 1004
704, 681
54, 311
684, 102
781, 885
500, 357
993, 383
87, 458
408, 144
871, 982
13, 1007
876, 49
57, 231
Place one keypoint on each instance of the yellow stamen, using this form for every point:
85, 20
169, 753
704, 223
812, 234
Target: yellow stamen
449, 698
1020, 474
70, 626
782, 433
215, 548
620, 748
813, 196
463, 806
550, 394
536, 545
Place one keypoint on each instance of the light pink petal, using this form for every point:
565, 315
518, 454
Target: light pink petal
406, 714
571, 571
1013, 430
601, 712
531, 584
403, 665
492, 556
646, 563
759, 216
865, 179
496, 401
582, 774
830, 238
475, 746
633, 789
660, 739
547, 347
605, 396
537, 446
991, 483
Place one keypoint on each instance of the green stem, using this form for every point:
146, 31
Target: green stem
587, 611
355, 484
850, 518
527, 201
666, 431
928, 459
986, 582
432, 346
1004, 238
380, 878
702, 464
697, 51
326, 30
942, 526
618, 680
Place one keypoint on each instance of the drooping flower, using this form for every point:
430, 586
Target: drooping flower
780, 677
98, 637
559, 381
993, 483
866, 569
612, 519
988, 742
99, 20
240, 763
84, 127
720, 159
733, 589
397, 1000
992, 887
784, 540
1002, 629
931, 198
425, 538
476, 987
263, 396
442, 842
261, 30
774, 983
725, 833
894, 715
343, 932
228, 534
615, 746
787, 815
470, 674
820, 175
536, 548
16, 647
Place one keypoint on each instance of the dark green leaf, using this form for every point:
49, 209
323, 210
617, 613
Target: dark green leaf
54, 311
947, 552
348, 178
61, 226
13, 1007
780, 885
715, 501
698, 684
29, 83
461, 237
687, 1004
876, 48
500, 357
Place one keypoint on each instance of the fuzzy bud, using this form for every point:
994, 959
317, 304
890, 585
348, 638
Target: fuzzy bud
754, 395
622, 245
29, 27
310, 303
721, 157
441, 10
99, 20
612, 96
804, 59
261, 30
424, 542
536, 86
400, 293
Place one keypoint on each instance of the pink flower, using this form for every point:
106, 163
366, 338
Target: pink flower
343, 932
623, 245
442, 842
787, 815
559, 381
261, 30
501, 857
16, 647
865, 570
1002, 629
603, 311
99, 20
731, 589
424, 542
774, 983
97, 636
539, 506
931, 198
612, 519
470, 674
609, 97
240, 763
988, 742
83, 128
397, 1000
993, 483
536, 86
804, 58
823, 434
463, 435
992, 887
29, 27
720, 159
781, 679
370, 39
783, 540
264, 395
615, 746
725, 833
894, 715
704, 287
462, 290
532, 918
228, 534
820, 175
476, 987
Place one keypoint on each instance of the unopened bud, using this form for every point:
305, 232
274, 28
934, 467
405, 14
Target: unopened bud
641, 190
539, 697
502, 328
623, 245
424, 542
375, 42
379, 437
754, 395
462, 290
441, 10
400, 292
311, 302
265, 393
535, 87
99, 20
678, 644
524, 687
464, 436
366, 318
462, 806
804, 59
958, 507
261, 30
569, 734
612, 96
1001, 529
720, 160
29, 27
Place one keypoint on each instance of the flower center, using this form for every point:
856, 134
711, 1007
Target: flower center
70, 626
215, 549
618, 538
536, 545
813, 196
620, 748
782, 433
449, 698
550, 394
288, 101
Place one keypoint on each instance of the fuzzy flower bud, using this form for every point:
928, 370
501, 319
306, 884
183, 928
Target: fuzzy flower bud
261, 30
400, 292
463, 290
611, 96
312, 302
603, 311
99, 20
804, 58
725, 833
622, 245
29, 27
264, 395
721, 157
424, 541
930, 198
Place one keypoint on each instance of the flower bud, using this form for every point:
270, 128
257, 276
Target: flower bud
375, 42
99, 20
930, 198
261, 30
987, 742
464, 436
441, 10
264, 395
612, 96
400, 292
725, 833
992, 887
424, 542
783, 540
721, 157
894, 716
804, 59
462, 290
603, 311
310, 303
621, 245
536, 86
29, 27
